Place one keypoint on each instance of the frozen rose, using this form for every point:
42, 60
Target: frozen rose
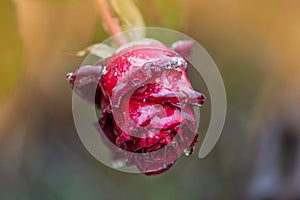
146, 100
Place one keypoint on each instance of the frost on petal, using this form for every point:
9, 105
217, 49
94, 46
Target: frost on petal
147, 103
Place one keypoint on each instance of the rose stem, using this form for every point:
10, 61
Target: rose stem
112, 25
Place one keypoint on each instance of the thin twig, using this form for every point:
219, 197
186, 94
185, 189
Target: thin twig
112, 25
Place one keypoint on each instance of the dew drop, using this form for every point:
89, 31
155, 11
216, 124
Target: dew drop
104, 71
188, 151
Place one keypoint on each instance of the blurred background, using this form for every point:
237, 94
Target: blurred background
256, 46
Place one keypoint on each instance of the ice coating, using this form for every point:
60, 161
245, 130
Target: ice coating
147, 104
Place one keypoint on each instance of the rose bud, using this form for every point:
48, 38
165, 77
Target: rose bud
147, 103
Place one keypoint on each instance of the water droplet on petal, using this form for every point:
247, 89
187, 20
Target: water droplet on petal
188, 151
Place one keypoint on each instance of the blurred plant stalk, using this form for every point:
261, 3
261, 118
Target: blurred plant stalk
110, 23
119, 16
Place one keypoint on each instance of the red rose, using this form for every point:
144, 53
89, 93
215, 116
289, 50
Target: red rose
147, 102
